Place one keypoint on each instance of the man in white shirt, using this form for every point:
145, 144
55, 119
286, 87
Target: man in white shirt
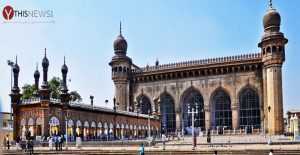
163, 138
7, 141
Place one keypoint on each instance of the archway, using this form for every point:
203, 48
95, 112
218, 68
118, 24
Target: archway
193, 99
145, 104
168, 118
86, 131
38, 127
70, 129
249, 112
93, 130
78, 129
221, 111
31, 127
54, 125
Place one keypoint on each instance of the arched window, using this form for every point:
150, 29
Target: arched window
167, 108
193, 98
249, 112
221, 111
145, 105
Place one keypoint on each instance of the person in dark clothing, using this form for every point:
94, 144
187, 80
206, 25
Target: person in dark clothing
31, 144
56, 143
7, 141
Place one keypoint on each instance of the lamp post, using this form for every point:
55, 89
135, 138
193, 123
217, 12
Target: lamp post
66, 119
11, 64
149, 127
137, 114
269, 124
193, 111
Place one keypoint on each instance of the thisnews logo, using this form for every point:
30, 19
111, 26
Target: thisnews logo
24, 16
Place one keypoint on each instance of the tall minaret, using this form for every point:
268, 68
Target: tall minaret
273, 55
15, 99
45, 91
64, 96
121, 68
36, 76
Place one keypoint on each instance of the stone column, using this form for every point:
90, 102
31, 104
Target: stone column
207, 110
235, 114
178, 118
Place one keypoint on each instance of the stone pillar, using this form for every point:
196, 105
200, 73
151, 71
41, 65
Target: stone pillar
235, 116
207, 110
178, 118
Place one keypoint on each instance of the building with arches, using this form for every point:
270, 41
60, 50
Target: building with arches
43, 116
242, 92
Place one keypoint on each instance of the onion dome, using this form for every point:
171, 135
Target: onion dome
64, 68
45, 62
36, 73
271, 19
120, 44
16, 68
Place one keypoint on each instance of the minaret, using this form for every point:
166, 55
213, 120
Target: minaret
273, 55
45, 91
15, 99
121, 68
64, 95
36, 76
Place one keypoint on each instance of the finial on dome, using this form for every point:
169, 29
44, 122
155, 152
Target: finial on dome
16, 59
45, 52
120, 27
271, 5
37, 66
64, 60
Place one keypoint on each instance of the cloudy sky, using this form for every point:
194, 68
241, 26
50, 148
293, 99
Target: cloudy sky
169, 30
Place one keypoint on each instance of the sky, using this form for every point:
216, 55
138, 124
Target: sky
170, 30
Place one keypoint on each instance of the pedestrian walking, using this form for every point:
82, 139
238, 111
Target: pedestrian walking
215, 152
50, 143
142, 152
271, 152
31, 145
18, 143
163, 137
60, 143
56, 142
7, 141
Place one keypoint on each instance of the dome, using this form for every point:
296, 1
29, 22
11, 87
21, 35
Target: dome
64, 69
16, 69
45, 62
120, 44
271, 19
36, 74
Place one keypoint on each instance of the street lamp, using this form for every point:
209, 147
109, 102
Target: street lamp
149, 127
66, 119
11, 64
137, 114
269, 124
193, 112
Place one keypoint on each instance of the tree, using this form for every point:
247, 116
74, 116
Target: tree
75, 96
27, 91
54, 85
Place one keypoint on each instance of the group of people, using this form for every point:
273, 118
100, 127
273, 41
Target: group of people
58, 142
28, 145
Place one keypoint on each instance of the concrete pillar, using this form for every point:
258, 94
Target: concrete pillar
178, 118
235, 116
207, 110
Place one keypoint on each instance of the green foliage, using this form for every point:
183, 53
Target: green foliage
27, 91
54, 84
75, 96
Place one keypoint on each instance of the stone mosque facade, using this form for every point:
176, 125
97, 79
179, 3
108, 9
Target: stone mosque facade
232, 93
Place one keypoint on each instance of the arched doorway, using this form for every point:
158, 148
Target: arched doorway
168, 118
145, 105
78, 129
249, 112
221, 111
70, 129
54, 125
86, 130
23, 129
30, 127
93, 130
38, 128
195, 100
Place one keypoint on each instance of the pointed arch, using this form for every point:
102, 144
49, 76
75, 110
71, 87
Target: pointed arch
193, 99
145, 104
70, 123
78, 123
249, 109
23, 122
167, 108
38, 121
221, 115
30, 121
186, 91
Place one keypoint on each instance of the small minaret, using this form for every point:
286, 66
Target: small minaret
45, 91
15, 99
64, 95
36, 76
121, 68
273, 56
